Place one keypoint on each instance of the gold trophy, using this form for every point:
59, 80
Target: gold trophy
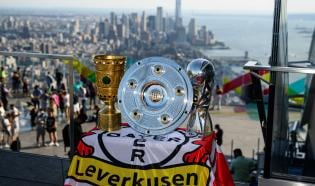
109, 71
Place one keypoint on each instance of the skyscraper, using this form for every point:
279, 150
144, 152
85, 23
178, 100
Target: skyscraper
125, 22
134, 23
191, 30
143, 22
181, 34
159, 19
121, 31
26, 30
178, 13
107, 27
169, 24
151, 23
75, 27
113, 18
101, 30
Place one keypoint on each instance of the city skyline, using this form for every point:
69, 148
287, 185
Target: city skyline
216, 6
132, 34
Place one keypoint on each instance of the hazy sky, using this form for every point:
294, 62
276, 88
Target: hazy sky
191, 5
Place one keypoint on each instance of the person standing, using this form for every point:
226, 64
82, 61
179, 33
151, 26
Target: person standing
2, 110
16, 78
15, 113
78, 121
25, 86
44, 98
51, 128
53, 104
66, 100
61, 103
33, 114
49, 81
40, 130
218, 134
241, 167
36, 94
3, 75
59, 77
92, 95
76, 105
217, 98
4, 95
7, 130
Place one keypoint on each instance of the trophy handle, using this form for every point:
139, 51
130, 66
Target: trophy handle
203, 118
208, 127
191, 122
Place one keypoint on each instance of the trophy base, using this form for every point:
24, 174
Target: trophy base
109, 122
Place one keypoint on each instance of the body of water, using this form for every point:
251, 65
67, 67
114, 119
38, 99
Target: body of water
253, 33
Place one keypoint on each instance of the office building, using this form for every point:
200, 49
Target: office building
113, 18
75, 27
143, 23
151, 23
178, 14
101, 31
191, 30
159, 19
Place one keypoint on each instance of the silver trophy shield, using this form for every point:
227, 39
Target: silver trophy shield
155, 96
201, 73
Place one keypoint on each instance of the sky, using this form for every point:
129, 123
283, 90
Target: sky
246, 6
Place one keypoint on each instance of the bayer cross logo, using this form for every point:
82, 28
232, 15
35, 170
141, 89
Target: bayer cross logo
127, 157
136, 152
156, 96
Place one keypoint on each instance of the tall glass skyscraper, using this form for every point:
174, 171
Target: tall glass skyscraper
178, 13
159, 19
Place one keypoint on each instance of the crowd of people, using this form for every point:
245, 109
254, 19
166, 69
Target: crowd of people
10, 126
48, 105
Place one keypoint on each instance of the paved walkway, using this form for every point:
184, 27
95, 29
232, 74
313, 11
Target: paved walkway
28, 142
239, 127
